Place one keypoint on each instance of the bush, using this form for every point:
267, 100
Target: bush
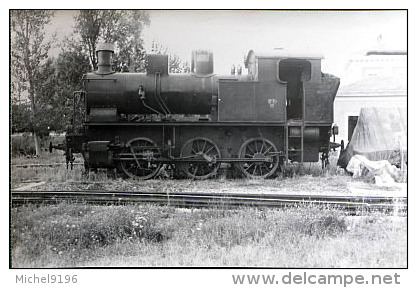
78, 226
321, 223
22, 144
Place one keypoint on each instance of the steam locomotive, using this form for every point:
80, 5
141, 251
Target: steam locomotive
281, 111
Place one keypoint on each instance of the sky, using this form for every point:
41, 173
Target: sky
231, 34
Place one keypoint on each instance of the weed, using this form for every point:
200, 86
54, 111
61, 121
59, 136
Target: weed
74, 234
67, 226
321, 223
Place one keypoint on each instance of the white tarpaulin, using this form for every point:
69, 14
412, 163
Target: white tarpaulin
385, 174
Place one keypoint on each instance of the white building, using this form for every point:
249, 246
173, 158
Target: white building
377, 78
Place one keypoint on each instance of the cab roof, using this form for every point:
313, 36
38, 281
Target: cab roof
283, 54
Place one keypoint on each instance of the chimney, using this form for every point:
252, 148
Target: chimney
104, 57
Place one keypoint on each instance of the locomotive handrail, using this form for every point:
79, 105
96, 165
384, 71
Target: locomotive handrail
100, 79
123, 157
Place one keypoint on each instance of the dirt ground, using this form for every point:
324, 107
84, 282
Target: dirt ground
305, 184
306, 179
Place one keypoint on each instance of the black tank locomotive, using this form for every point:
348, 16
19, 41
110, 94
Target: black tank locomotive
281, 111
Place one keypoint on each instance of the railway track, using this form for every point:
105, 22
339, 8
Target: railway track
43, 165
352, 204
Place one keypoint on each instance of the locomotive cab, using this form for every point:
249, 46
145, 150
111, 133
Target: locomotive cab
294, 72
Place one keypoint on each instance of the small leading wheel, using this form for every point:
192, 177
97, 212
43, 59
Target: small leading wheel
139, 155
262, 150
202, 155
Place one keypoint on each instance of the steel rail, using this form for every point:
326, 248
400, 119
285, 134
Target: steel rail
52, 165
218, 194
353, 204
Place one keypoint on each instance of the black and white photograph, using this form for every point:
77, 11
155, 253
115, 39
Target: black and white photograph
209, 139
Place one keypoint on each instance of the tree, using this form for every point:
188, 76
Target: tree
88, 25
46, 105
175, 64
122, 27
29, 49
20, 117
72, 64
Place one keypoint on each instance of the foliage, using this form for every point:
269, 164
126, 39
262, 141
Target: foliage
122, 27
20, 116
57, 78
48, 102
71, 64
29, 47
176, 65
41, 86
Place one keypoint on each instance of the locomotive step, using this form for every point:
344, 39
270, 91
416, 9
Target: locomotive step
295, 122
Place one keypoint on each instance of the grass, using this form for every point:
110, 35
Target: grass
23, 174
78, 235
57, 174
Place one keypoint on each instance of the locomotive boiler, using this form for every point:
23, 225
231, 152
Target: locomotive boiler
280, 111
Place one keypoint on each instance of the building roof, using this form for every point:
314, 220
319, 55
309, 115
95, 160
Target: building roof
375, 86
386, 52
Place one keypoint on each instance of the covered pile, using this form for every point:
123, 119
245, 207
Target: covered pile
380, 134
